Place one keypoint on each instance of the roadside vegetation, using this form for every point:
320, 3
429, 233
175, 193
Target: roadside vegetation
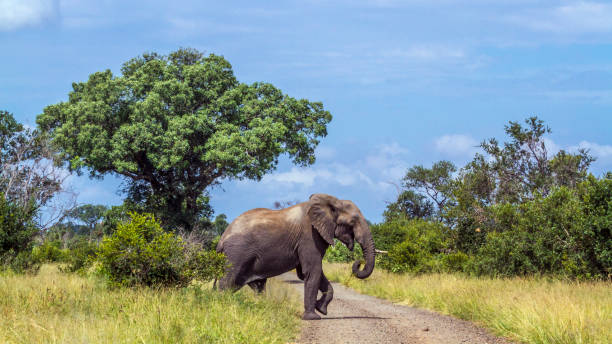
519, 210
523, 309
518, 240
56, 307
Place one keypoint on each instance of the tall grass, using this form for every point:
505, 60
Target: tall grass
530, 310
54, 307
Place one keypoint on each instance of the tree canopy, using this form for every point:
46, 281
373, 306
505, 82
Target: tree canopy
174, 125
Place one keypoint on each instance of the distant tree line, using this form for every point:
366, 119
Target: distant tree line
515, 209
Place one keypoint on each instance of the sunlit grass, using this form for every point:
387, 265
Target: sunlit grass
530, 310
54, 307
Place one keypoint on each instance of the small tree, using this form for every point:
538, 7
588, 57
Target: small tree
220, 224
435, 182
410, 205
522, 168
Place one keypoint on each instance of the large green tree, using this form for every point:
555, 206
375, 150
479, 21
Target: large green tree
174, 125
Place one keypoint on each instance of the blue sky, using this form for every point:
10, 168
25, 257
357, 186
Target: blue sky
408, 82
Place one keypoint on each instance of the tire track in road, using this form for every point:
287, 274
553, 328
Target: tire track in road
357, 318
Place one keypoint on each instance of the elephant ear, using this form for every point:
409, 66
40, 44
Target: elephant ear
323, 212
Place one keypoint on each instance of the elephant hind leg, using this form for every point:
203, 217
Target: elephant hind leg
258, 285
236, 277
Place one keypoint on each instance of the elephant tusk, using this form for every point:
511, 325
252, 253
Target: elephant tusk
380, 251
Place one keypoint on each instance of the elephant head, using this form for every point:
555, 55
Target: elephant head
341, 219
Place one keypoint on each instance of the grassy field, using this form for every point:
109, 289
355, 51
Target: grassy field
54, 307
528, 310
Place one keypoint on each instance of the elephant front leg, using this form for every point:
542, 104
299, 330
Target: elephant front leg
328, 294
311, 288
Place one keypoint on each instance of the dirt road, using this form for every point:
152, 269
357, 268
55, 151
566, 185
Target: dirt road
356, 318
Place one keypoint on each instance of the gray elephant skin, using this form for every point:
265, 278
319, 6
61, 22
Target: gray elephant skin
263, 243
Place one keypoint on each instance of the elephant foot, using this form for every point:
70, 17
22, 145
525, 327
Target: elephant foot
321, 307
311, 316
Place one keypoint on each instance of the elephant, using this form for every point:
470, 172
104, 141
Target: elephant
263, 243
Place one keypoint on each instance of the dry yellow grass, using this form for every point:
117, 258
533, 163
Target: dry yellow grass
54, 307
529, 310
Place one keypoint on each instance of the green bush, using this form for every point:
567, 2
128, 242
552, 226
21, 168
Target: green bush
420, 250
407, 256
17, 233
17, 229
504, 254
339, 253
80, 255
140, 252
49, 251
595, 240
204, 265
560, 234
390, 233
20, 262
454, 262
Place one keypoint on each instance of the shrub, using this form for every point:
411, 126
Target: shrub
504, 254
390, 233
49, 251
557, 234
423, 244
20, 262
80, 255
140, 252
455, 261
17, 233
339, 253
17, 230
596, 238
406, 256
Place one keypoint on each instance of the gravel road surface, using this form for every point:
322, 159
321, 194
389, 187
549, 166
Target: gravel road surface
357, 318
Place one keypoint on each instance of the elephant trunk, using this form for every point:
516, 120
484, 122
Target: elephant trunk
364, 238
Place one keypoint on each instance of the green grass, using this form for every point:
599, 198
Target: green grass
529, 310
54, 307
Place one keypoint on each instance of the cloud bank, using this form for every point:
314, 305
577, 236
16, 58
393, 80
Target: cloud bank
15, 14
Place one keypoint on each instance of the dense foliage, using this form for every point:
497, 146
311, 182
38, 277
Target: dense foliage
17, 232
174, 125
513, 211
140, 252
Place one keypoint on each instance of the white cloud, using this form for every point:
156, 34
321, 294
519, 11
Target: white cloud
388, 162
456, 145
307, 177
551, 146
384, 165
393, 149
15, 14
574, 17
597, 150
303, 176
